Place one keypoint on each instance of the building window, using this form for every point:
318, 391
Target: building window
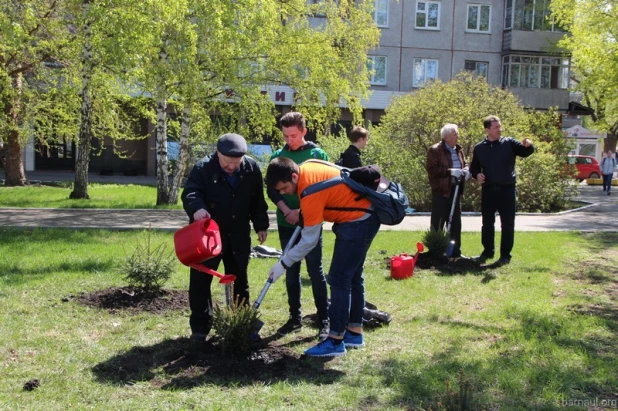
424, 71
529, 15
508, 14
478, 17
377, 67
380, 14
535, 72
479, 68
427, 15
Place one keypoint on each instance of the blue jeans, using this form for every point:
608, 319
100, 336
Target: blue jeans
316, 274
607, 182
347, 288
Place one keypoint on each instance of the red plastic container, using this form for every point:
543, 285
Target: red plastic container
198, 242
402, 266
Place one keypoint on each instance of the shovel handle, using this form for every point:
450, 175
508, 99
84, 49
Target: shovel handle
269, 282
258, 302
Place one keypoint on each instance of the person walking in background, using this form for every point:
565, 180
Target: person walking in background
441, 158
351, 158
355, 226
294, 129
228, 187
493, 165
608, 164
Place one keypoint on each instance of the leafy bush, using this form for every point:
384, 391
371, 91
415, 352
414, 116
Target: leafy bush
436, 242
149, 267
412, 124
235, 325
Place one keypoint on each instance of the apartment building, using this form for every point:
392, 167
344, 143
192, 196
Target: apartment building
510, 42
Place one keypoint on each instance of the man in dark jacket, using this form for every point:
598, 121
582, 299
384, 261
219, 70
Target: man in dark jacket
443, 157
228, 187
351, 158
493, 165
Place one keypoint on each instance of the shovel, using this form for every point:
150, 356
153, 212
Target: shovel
259, 324
451, 245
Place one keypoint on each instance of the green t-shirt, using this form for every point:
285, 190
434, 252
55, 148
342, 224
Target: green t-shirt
306, 152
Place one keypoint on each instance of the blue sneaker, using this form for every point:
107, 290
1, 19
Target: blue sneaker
353, 341
326, 348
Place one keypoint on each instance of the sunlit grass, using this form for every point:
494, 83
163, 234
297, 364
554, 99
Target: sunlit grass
532, 334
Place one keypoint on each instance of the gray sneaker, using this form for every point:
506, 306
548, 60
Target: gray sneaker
324, 330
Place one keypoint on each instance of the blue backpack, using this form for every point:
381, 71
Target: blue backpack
389, 201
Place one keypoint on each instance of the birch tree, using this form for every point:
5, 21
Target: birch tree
219, 57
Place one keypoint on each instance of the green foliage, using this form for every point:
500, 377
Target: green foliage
436, 242
412, 124
149, 266
594, 55
234, 325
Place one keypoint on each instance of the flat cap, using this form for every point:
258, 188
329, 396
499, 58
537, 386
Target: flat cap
232, 145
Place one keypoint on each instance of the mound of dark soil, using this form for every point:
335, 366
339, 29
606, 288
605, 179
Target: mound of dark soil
135, 300
447, 265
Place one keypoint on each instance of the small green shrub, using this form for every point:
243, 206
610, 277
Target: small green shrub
149, 267
436, 241
235, 325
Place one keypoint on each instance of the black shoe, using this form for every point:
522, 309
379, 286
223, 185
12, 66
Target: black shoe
609, 192
503, 261
293, 324
482, 258
324, 330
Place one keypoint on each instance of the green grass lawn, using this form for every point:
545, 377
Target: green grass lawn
539, 333
124, 196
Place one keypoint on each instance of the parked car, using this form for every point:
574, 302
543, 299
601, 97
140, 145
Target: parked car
586, 166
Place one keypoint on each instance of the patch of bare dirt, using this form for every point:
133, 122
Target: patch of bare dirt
448, 266
134, 300
184, 364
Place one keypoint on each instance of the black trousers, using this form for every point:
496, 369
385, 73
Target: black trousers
440, 211
503, 200
200, 297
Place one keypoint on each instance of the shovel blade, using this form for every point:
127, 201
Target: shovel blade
450, 249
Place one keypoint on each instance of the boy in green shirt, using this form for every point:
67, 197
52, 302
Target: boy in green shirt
294, 129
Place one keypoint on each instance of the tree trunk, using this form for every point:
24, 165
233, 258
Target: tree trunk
13, 164
163, 194
183, 155
80, 189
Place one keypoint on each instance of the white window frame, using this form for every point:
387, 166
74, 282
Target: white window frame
371, 65
426, 13
376, 8
535, 72
476, 67
419, 83
478, 8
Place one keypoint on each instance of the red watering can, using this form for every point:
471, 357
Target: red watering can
198, 242
402, 265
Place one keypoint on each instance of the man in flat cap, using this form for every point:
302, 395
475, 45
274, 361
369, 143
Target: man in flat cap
226, 186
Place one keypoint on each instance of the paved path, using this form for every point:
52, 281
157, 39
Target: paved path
600, 214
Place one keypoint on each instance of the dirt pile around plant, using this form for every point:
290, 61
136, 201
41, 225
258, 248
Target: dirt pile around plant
445, 265
183, 364
134, 300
